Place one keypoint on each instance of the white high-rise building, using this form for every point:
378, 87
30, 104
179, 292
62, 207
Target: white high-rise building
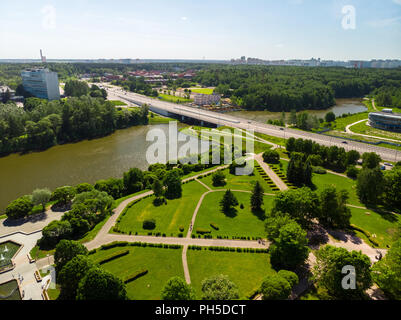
41, 83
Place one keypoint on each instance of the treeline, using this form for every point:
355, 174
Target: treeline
42, 124
137, 85
286, 88
389, 96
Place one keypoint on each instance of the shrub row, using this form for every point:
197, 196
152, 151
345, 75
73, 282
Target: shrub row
228, 249
366, 233
135, 276
202, 231
139, 244
214, 226
114, 256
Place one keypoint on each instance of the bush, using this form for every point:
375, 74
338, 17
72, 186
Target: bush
19, 208
271, 156
202, 231
291, 277
275, 288
135, 276
149, 224
114, 256
352, 172
214, 226
181, 229
319, 170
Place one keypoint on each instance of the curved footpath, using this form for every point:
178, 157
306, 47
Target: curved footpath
104, 237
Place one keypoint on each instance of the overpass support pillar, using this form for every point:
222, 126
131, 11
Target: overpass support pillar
182, 118
202, 123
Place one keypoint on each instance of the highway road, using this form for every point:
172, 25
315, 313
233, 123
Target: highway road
236, 122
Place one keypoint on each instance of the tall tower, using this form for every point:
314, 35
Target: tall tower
43, 58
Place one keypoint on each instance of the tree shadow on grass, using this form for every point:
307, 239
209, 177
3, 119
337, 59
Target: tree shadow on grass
260, 214
231, 213
385, 214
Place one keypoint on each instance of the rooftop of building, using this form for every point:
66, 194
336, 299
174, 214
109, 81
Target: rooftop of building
387, 114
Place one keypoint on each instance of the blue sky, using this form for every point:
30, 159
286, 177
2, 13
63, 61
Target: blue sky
211, 29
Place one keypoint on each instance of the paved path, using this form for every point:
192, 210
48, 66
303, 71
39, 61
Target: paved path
29, 225
276, 179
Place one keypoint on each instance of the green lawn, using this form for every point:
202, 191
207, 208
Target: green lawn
246, 270
203, 90
162, 264
235, 182
381, 225
117, 103
242, 223
363, 128
169, 218
322, 180
170, 98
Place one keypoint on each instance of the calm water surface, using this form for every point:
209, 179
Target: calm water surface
71, 164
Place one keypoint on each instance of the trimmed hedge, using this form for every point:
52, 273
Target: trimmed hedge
203, 231
214, 226
366, 233
135, 276
114, 256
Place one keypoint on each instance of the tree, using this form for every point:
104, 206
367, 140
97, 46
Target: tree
63, 195
113, 187
330, 117
133, 180
275, 287
392, 188
257, 197
271, 156
371, 160
228, 202
99, 284
289, 249
299, 171
66, 250
275, 223
71, 274
173, 185
177, 289
328, 271
387, 272
83, 187
301, 204
54, 232
219, 288
42, 197
76, 88
19, 208
334, 211
157, 188
370, 185
352, 172
290, 276
219, 179
352, 157
290, 144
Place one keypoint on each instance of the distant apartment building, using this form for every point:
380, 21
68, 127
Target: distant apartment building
206, 99
41, 83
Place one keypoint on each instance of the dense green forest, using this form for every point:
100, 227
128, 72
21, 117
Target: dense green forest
300, 88
42, 124
389, 95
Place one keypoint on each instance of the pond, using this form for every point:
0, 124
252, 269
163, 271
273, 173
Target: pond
7, 252
10, 291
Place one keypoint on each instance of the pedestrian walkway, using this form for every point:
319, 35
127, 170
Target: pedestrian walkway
275, 178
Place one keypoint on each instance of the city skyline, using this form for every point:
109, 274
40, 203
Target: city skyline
293, 29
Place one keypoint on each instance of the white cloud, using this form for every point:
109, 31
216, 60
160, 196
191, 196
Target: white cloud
397, 1
184, 18
279, 45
